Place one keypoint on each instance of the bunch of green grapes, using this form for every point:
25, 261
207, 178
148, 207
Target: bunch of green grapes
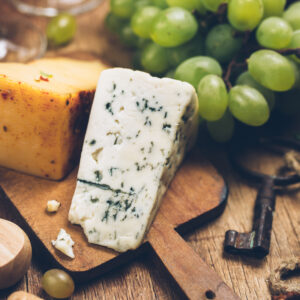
242, 56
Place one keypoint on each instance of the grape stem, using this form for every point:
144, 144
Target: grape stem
210, 19
227, 76
290, 52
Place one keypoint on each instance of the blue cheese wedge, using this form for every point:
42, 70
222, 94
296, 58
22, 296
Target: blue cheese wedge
64, 243
139, 130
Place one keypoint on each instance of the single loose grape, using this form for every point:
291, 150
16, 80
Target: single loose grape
181, 53
142, 20
222, 44
213, 97
58, 284
222, 130
274, 33
245, 15
187, 4
295, 43
195, 68
61, 29
248, 105
122, 8
173, 27
160, 3
292, 16
128, 37
246, 79
272, 70
114, 23
273, 7
212, 5
154, 59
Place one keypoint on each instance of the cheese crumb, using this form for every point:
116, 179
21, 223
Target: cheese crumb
64, 243
53, 206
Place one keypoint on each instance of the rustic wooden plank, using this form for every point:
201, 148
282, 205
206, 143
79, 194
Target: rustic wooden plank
146, 278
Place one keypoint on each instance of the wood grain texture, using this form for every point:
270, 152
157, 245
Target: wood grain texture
196, 190
145, 277
195, 278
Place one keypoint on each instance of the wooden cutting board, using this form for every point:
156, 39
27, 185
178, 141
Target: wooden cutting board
197, 194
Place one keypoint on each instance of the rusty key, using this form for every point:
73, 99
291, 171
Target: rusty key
257, 242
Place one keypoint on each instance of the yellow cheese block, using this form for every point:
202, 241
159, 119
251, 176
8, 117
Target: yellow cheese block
44, 109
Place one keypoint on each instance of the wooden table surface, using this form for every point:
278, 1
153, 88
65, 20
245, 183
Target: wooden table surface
145, 277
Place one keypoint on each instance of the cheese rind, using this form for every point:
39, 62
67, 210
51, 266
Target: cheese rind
139, 130
44, 108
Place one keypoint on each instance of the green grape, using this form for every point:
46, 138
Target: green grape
170, 74
273, 7
222, 130
213, 5
274, 33
295, 5
58, 284
142, 43
200, 8
160, 3
173, 27
213, 97
122, 8
154, 59
292, 16
295, 43
288, 102
142, 20
272, 70
181, 53
141, 3
296, 68
246, 79
245, 15
136, 61
128, 37
61, 29
187, 4
114, 23
222, 44
195, 68
248, 105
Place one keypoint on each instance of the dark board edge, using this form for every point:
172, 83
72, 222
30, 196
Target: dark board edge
207, 216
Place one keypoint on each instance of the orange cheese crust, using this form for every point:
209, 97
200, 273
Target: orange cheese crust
41, 132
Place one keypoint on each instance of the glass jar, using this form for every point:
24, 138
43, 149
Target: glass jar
52, 8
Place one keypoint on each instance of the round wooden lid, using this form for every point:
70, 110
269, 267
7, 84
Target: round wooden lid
15, 253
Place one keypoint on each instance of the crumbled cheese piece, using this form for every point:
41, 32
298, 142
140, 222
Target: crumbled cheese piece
53, 206
64, 243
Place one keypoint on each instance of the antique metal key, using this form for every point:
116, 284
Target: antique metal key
257, 242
